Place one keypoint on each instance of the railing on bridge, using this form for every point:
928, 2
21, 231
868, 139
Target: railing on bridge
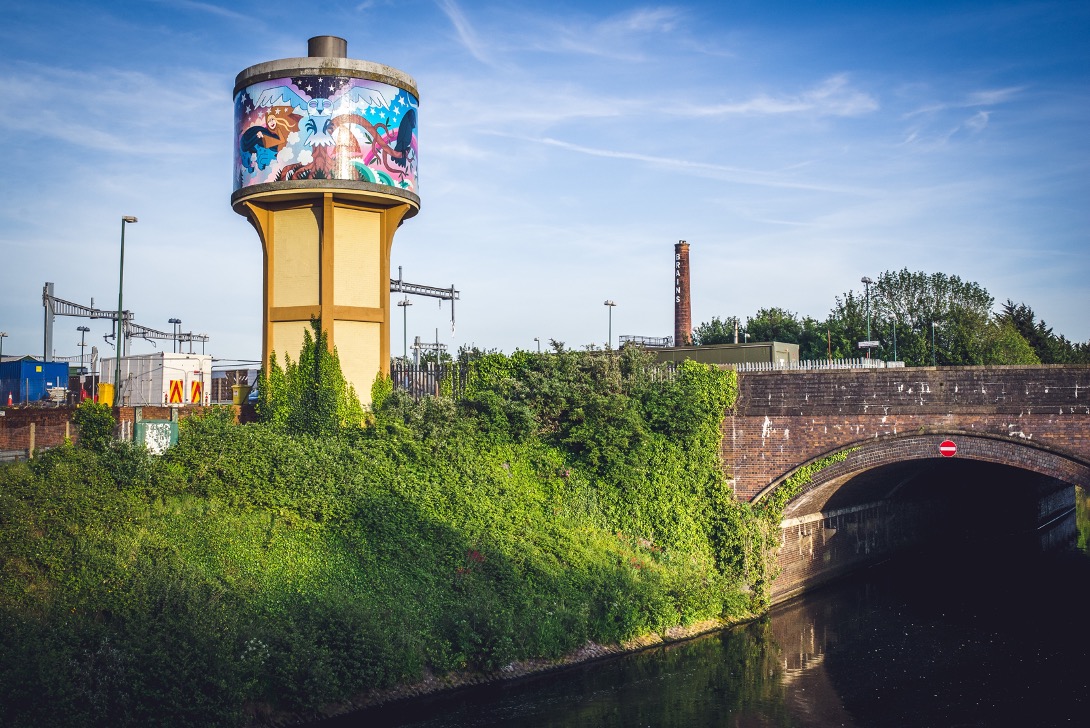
450, 378
816, 364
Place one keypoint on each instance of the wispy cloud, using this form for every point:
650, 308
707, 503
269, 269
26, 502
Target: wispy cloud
642, 20
985, 97
127, 116
832, 97
977, 121
204, 8
619, 37
466, 33
720, 171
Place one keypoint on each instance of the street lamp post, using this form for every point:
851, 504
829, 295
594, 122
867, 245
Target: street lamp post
538, 340
866, 282
120, 320
609, 303
3, 334
404, 304
82, 343
176, 329
933, 362
894, 338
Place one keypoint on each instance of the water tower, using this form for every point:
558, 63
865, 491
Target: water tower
325, 169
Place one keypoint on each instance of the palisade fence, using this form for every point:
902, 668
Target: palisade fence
816, 364
431, 379
450, 379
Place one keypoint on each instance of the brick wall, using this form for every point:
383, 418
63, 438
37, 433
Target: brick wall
52, 425
49, 428
785, 418
818, 547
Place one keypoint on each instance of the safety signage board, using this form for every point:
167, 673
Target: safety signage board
176, 392
948, 448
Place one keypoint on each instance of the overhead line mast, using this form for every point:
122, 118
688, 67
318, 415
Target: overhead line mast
59, 307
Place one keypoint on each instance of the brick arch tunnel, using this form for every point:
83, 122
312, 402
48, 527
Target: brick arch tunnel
895, 494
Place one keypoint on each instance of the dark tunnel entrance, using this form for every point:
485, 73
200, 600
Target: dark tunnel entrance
935, 509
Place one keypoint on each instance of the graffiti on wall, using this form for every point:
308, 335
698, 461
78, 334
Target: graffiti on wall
325, 127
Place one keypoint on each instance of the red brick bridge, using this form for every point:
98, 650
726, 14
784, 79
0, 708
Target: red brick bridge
1028, 422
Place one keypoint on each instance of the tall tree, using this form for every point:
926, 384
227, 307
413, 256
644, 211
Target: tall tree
774, 324
717, 331
1049, 347
312, 396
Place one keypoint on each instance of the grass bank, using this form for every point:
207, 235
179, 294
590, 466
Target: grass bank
567, 498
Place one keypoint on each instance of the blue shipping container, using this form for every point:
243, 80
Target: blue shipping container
29, 380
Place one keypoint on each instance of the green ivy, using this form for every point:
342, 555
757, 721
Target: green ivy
567, 497
311, 396
95, 425
772, 505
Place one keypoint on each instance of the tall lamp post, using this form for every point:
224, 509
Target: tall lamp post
82, 343
866, 282
538, 340
176, 329
609, 303
120, 321
3, 335
933, 363
404, 304
894, 338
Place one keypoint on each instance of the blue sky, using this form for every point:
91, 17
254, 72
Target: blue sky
564, 149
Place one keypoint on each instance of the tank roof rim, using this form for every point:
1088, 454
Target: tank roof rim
313, 66
302, 188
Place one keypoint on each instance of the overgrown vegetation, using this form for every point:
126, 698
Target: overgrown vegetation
310, 396
257, 568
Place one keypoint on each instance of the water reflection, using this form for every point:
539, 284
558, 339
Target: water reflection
996, 638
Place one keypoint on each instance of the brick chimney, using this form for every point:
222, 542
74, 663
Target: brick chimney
683, 313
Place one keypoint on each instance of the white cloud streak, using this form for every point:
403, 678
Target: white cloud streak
466, 33
132, 113
720, 171
832, 97
205, 8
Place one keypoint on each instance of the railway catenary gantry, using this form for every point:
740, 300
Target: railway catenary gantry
59, 307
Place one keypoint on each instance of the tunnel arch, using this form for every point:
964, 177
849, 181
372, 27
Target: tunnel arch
887, 450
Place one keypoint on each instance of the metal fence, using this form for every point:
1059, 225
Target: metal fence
451, 379
430, 379
817, 364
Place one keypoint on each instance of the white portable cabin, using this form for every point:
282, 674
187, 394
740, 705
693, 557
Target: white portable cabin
162, 379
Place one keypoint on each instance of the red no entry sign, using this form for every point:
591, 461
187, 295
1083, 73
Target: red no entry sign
948, 448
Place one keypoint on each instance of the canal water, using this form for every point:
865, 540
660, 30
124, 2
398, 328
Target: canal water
994, 637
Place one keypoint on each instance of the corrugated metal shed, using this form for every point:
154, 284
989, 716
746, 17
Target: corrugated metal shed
776, 352
29, 380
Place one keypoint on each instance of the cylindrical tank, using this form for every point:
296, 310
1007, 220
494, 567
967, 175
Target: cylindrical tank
325, 168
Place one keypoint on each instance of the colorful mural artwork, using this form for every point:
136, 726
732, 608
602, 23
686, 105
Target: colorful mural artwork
326, 127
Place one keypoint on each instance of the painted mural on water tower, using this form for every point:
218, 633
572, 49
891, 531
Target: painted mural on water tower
326, 127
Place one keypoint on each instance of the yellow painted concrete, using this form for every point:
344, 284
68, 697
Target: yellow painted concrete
359, 345
286, 337
357, 260
296, 258
327, 255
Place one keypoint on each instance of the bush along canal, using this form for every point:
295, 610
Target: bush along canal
925, 640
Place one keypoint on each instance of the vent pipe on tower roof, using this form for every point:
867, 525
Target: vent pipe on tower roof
327, 46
